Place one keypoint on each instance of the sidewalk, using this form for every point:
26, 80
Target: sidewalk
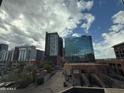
46, 78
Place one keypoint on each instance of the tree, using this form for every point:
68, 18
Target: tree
47, 67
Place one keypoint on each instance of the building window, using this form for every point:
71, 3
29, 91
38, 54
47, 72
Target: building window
116, 52
119, 65
118, 55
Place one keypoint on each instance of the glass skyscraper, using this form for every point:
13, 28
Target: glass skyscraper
79, 49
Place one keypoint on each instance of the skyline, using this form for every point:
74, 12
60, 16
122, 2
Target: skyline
19, 22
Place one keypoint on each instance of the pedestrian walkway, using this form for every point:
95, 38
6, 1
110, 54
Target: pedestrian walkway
53, 85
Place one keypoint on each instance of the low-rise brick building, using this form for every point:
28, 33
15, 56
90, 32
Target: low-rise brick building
119, 50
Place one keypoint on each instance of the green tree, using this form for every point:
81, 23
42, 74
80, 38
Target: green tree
47, 67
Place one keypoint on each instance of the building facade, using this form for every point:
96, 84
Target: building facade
54, 45
39, 55
79, 49
116, 65
22, 54
3, 57
1, 2
6, 60
3, 61
119, 50
54, 48
3, 47
3, 51
25, 53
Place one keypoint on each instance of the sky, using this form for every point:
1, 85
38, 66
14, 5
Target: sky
25, 22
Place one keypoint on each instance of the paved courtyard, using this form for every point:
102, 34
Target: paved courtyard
53, 85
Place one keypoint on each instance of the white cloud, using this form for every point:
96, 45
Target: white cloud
26, 21
88, 20
104, 48
118, 18
85, 5
3, 14
76, 35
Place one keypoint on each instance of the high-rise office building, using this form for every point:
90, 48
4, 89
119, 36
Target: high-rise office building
10, 55
3, 57
25, 53
39, 55
79, 49
54, 49
7, 56
9, 61
60, 46
54, 45
1, 2
5, 60
28, 53
3, 47
16, 54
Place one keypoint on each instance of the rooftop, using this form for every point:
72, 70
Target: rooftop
118, 44
78, 89
89, 64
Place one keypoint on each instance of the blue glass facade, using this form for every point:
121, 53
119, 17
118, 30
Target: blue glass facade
79, 48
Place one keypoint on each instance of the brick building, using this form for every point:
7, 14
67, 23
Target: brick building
119, 50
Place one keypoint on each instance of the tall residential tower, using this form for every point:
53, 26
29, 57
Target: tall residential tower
54, 45
1, 2
54, 48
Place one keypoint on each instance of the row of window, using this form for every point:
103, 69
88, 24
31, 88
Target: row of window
120, 55
118, 52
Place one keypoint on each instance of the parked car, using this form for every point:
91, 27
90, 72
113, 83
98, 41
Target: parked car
2, 84
9, 84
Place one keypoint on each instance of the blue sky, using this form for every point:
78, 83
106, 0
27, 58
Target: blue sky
103, 10
109, 14
25, 22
